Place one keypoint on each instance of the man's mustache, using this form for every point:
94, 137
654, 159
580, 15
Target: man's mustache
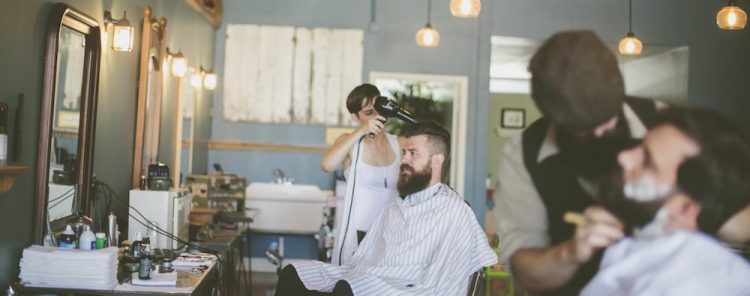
406, 168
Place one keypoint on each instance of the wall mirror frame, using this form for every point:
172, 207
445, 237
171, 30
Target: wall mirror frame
150, 92
70, 84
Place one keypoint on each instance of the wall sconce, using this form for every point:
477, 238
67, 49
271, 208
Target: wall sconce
179, 63
196, 79
122, 32
209, 79
731, 17
427, 36
630, 45
465, 8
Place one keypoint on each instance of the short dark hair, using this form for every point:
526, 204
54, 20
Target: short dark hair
361, 95
716, 177
575, 80
438, 139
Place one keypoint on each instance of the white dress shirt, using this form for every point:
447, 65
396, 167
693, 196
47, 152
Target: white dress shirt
680, 264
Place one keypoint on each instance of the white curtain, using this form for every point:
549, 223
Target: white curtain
300, 75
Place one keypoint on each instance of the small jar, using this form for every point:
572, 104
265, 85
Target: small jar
144, 272
101, 240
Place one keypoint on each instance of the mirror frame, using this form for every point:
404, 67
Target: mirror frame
60, 15
150, 26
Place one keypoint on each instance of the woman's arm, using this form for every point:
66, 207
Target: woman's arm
339, 152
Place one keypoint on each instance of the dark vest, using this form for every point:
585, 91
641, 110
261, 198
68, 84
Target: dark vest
561, 192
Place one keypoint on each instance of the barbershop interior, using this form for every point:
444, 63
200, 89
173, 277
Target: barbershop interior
212, 147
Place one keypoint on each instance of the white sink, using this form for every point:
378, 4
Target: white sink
292, 192
282, 208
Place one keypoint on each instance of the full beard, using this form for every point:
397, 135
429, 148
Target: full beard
411, 181
592, 157
634, 212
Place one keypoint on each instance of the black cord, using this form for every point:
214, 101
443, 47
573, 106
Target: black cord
630, 16
110, 192
59, 200
351, 204
66, 193
99, 185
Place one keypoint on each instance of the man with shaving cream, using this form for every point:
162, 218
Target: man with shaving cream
683, 185
554, 165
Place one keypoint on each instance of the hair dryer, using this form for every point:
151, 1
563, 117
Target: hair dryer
389, 108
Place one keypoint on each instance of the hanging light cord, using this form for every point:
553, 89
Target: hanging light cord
630, 16
429, 5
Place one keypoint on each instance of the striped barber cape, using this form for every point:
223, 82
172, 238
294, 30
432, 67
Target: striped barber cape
426, 244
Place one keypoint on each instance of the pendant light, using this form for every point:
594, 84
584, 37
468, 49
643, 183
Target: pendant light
428, 36
731, 17
630, 45
465, 8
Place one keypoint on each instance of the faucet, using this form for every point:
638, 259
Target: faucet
281, 178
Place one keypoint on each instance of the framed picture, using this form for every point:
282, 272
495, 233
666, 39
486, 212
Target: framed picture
512, 118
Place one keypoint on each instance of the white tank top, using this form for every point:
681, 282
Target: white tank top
375, 185
366, 195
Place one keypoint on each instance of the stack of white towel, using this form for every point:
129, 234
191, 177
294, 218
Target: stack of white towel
66, 268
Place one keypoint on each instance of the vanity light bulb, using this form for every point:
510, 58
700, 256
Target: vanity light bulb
196, 81
179, 66
209, 81
123, 38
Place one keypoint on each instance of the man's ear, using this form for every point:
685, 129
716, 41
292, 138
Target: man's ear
685, 211
437, 161
355, 117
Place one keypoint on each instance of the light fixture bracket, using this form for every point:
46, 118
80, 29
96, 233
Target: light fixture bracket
109, 22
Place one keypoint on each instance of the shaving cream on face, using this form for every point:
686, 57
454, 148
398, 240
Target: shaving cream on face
645, 189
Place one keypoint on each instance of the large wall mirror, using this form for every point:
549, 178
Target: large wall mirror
67, 117
191, 96
150, 92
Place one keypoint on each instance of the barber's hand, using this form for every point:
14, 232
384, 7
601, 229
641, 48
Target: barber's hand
601, 230
375, 125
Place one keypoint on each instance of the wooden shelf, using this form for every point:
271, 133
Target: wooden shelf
8, 176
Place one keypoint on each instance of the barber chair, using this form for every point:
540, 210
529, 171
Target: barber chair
476, 287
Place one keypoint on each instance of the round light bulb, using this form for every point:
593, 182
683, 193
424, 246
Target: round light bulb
630, 45
731, 17
428, 37
465, 8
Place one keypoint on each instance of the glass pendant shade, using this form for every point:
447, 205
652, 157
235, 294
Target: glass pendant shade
428, 37
731, 17
630, 45
465, 8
